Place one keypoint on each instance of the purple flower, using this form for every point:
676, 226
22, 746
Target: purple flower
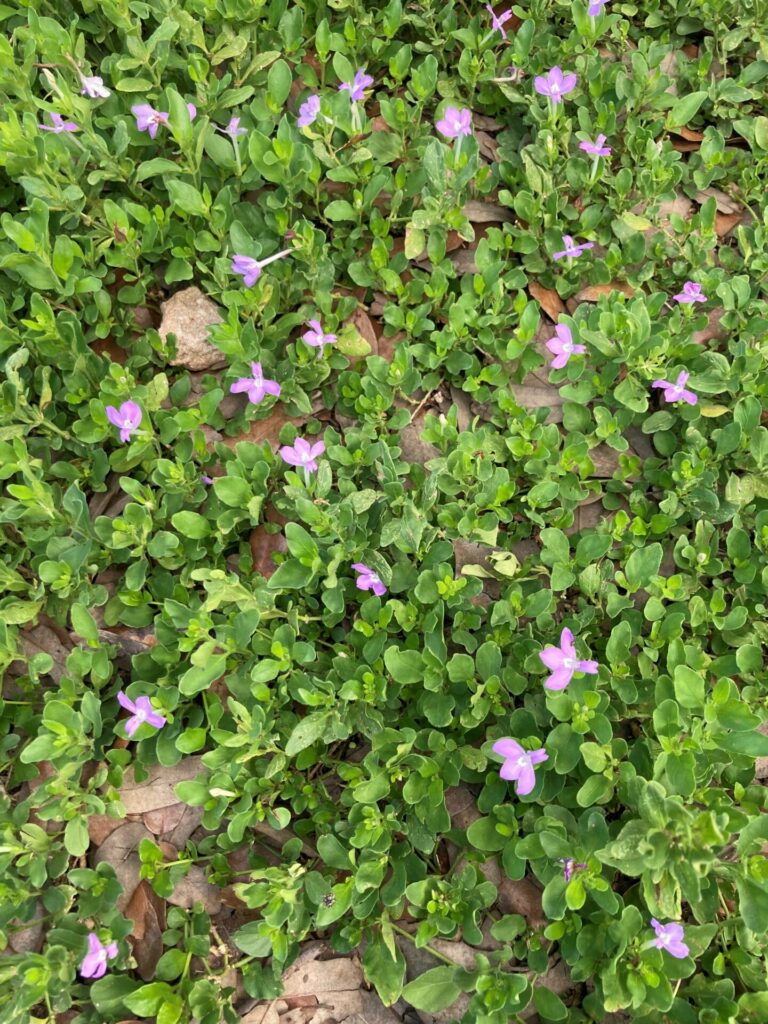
497, 22
148, 119
555, 84
564, 661
361, 81
141, 712
368, 579
94, 87
571, 248
208, 480
669, 937
59, 125
596, 148
256, 386
691, 293
596, 6
302, 454
518, 764
233, 129
94, 963
308, 111
315, 337
563, 347
677, 391
455, 123
250, 269
127, 418
192, 111
569, 864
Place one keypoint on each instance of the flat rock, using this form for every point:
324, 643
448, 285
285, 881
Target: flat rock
189, 315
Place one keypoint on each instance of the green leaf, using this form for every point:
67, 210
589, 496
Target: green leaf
279, 81
308, 730
753, 904
191, 525
200, 677
291, 575
404, 666
147, 1000
300, 544
232, 491
689, 687
340, 209
186, 197
76, 839
684, 109
643, 564
84, 624
385, 972
434, 990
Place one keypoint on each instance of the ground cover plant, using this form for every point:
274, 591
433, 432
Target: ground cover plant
384, 511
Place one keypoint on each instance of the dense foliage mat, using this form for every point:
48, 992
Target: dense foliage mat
463, 500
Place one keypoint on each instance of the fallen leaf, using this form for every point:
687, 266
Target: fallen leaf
726, 222
157, 790
522, 897
714, 328
479, 211
688, 133
488, 147
264, 545
119, 850
147, 911
724, 202
268, 429
193, 888
548, 299
594, 292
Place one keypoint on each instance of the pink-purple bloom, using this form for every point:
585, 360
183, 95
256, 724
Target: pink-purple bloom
93, 86
691, 293
233, 129
192, 111
555, 84
497, 21
127, 418
368, 579
670, 937
596, 6
571, 248
207, 480
94, 963
564, 661
518, 764
455, 123
308, 111
250, 269
360, 82
256, 386
315, 337
141, 712
569, 865
563, 347
302, 454
59, 125
148, 119
677, 392
596, 148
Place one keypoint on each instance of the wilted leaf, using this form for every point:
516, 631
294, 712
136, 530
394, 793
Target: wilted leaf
548, 299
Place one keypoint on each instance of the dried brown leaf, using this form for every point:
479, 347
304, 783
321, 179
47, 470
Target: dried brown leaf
594, 292
724, 202
157, 790
548, 299
522, 897
726, 222
119, 850
147, 911
478, 211
263, 546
